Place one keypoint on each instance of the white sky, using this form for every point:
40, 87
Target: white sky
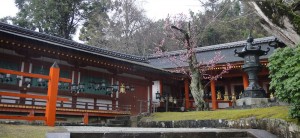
155, 9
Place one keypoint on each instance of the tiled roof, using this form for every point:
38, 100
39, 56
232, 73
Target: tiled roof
153, 61
208, 52
16, 30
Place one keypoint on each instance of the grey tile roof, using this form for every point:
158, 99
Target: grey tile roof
141, 62
152, 62
208, 52
16, 30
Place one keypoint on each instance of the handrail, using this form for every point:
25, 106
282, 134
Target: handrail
63, 104
44, 97
32, 75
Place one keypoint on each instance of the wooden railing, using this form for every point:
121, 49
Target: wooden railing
66, 104
51, 97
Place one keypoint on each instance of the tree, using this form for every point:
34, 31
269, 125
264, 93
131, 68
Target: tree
284, 66
281, 18
54, 17
94, 29
226, 21
196, 70
125, 20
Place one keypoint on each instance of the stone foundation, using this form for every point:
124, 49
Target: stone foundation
278, 127
251, 101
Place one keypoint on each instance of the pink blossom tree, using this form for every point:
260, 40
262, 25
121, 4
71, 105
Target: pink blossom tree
186, 62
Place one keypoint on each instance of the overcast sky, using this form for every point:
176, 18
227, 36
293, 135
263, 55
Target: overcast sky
155, 9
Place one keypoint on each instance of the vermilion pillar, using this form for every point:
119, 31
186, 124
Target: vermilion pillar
186, 93
86, 119
213, 95
245, 80
52, 95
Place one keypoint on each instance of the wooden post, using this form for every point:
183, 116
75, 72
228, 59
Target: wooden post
213, 95
161, 91
245, 80
52, 95
86, 119
186, 93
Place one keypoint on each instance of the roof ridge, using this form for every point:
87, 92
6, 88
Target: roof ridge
218, 46
69, 43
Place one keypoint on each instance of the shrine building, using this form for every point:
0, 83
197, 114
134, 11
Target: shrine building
105, 83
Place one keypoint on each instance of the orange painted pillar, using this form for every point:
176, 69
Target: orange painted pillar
213, 95
186, 93
161, 90
245, 80
52, 95
86, 119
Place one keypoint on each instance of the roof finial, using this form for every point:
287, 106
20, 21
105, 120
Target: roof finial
250, 37
55, 65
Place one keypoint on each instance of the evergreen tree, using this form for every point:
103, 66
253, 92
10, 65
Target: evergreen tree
54, 17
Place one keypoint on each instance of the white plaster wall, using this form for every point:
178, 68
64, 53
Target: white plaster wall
10, 97
104, 103
155, 88
90, 103
39, 102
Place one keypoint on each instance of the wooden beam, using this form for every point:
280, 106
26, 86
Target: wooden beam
44, 97
29, 118
32, 75
186, 93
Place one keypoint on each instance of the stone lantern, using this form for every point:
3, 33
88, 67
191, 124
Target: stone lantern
252, 66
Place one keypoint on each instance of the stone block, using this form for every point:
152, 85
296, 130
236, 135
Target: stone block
251, 101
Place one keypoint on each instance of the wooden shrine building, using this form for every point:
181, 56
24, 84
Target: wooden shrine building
105, 83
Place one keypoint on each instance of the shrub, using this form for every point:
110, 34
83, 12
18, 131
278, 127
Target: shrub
284, 66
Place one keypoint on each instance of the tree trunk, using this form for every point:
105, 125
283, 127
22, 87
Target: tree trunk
287, 33
196, 86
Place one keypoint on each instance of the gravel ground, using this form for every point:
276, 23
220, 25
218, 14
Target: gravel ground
90, 129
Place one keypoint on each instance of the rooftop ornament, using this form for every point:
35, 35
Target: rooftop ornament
252, 66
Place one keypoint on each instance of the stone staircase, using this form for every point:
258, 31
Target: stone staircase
120, 121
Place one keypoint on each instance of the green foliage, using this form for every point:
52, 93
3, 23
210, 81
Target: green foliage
284, 66
227, 21
277, 10
58, 18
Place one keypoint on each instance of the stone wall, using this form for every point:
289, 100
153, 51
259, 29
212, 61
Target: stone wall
278, 127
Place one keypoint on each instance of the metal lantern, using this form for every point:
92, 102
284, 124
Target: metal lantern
175, 101
252, 66
103, 85
109, 90
132, 88
59, 85
2, 77
74, 88
80, 87
171, 99
122, 88
66, 85
42, 82
7, 77
157, 95
127, 87
162, 99
97, 86
91, 85
115, 87
27, 81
